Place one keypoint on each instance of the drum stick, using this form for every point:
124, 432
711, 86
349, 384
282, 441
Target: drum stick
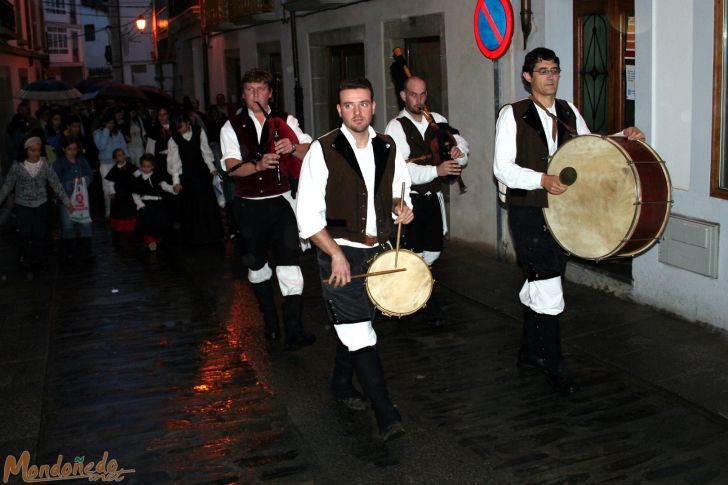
375, 273
399, 227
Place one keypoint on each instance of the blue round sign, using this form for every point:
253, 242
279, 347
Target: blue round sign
493, 27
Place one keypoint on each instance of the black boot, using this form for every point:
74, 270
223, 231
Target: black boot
557, 373
341, 382
369, 371
530, 356
433, 312
267, 303
296, 336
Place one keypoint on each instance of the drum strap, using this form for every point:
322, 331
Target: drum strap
554, 119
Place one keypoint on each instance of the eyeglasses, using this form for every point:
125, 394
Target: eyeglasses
554, 71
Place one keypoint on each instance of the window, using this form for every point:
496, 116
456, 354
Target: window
55, 6
89, 32
57, 38
719, 158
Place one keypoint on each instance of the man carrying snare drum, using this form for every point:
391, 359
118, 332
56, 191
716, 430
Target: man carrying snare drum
528, 132
349, 193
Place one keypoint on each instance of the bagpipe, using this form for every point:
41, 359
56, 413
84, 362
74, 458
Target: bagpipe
443, 139
276, 128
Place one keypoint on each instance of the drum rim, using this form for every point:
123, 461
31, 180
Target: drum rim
638, 198
397, 314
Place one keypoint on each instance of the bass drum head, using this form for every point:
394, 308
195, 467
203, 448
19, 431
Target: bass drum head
596, 214
403, 293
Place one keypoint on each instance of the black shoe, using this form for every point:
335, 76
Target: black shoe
355, 403
561, 381
530, 362
303, 339
393, 431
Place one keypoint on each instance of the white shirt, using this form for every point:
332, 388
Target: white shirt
230, 146
421, 174
505, 169
311, 199
174, 163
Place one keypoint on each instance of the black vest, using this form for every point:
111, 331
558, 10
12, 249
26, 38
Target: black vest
532, 146
420, 146
346, 192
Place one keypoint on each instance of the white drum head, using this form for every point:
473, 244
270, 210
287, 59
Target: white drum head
596, 214
402, 293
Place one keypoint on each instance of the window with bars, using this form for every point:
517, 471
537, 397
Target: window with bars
89, 32
55, 6
57, 39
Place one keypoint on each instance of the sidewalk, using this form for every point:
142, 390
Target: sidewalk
684, 358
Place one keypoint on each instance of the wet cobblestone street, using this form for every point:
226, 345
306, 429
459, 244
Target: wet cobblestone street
160, 360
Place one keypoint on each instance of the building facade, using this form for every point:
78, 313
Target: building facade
23, 56
64, 38
619, 66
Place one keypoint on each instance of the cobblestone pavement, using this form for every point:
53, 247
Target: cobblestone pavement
160, 361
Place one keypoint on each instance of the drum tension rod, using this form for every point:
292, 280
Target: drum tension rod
654, 202
642, 239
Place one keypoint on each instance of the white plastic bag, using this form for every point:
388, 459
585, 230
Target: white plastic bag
219, 193
79, 201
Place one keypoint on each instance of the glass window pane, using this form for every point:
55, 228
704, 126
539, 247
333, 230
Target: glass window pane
594, 72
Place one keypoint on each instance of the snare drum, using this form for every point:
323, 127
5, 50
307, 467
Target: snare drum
619, 203
403, 293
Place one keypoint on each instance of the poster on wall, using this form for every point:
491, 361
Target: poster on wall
493, 27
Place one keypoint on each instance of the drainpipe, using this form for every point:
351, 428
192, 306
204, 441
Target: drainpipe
297, 89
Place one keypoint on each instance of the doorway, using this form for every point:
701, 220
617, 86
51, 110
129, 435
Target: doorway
345, 62
604, 57
423, 58
232, 76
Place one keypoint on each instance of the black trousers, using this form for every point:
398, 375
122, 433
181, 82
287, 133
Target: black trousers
424, 233
33, 228
350, 303
539, 255
267, 224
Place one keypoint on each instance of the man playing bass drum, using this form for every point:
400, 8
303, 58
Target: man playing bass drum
413, 134
261, 208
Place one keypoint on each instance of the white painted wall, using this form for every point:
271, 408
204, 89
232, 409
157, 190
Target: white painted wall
95, 49
674, 103
673, 108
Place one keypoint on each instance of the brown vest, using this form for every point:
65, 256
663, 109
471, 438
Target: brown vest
257, 184
420, 146
532, 147
346, 192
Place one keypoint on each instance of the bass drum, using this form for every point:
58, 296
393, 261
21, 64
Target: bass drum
403, 293
618, 204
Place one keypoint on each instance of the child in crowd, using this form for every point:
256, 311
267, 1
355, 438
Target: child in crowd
123, 210
72, 168
147, 191
29, 179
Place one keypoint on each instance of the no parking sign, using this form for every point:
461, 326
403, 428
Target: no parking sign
493, 27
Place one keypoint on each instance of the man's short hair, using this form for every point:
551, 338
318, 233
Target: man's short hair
356, 83
256, 75
534, 57
405, 86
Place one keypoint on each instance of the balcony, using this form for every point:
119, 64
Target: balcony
7, 21
313, 5
222, 15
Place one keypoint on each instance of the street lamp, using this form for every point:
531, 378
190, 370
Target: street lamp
141, 23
